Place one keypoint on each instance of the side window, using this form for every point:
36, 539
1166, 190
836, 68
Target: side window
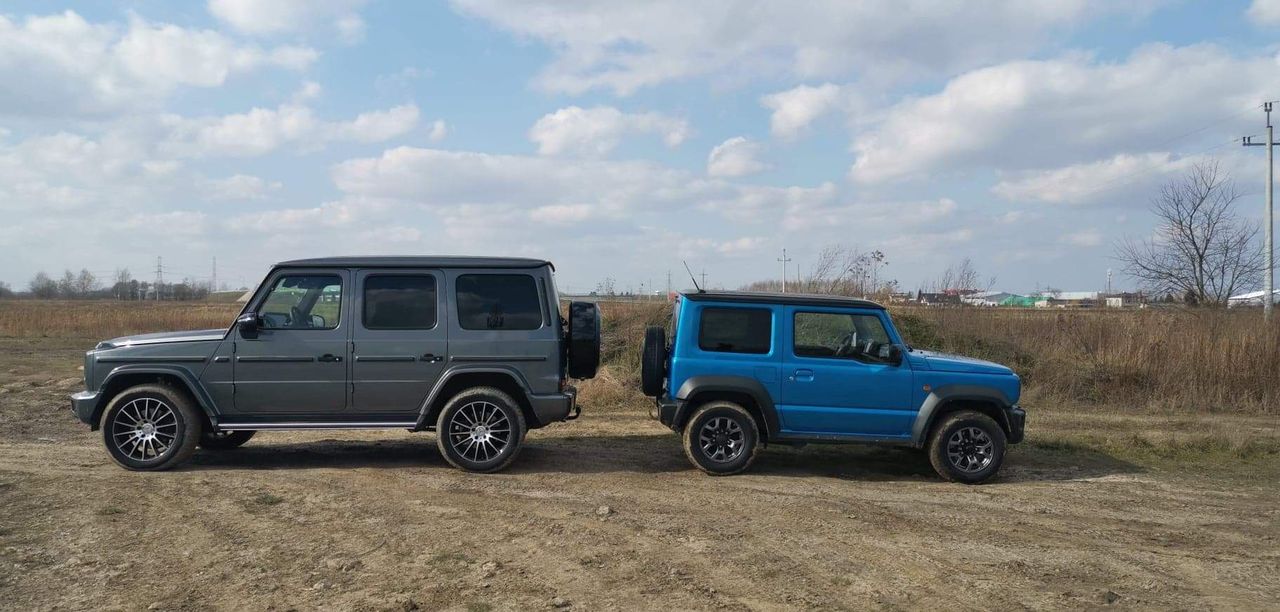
498, 301
303, 301
399, 301
735, 330
839, 336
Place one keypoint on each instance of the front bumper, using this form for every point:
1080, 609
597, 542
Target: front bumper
1017, 423
554, 407
84, 404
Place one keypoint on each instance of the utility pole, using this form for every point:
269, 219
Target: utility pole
785, 260
704, 278
1108, 281
159, 275
213, 284
668, 283
1268, 279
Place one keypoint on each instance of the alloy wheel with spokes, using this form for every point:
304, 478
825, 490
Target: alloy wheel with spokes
721, 439
480, 430
151, 427
970, 449
145, 429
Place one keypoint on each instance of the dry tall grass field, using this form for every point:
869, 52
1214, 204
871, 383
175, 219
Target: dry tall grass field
1150, 478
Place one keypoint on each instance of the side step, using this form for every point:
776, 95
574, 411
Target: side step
320, 425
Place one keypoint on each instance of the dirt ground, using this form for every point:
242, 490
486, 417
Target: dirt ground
605, 513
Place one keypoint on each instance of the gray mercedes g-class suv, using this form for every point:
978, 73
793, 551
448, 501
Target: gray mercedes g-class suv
473, 348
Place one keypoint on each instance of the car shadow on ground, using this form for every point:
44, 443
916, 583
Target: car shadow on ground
602, 454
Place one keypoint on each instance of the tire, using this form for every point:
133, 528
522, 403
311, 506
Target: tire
225, 440
584, 340
462, 441
653, 361
966, 447
722, 419
151, 427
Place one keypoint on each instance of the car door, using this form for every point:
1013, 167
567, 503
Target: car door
400, 340
297, 363
831, 387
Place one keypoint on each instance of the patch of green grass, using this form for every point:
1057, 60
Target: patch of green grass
110, 511
451, 557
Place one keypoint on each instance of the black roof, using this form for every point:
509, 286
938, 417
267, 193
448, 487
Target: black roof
793, 299
430, 261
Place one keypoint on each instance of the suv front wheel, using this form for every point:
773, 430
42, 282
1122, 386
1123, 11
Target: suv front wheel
151, 427
480, 430
967, 447
721, 438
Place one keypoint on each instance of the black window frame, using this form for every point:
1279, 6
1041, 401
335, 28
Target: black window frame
538, 307
702, 328
275, 283
435, 300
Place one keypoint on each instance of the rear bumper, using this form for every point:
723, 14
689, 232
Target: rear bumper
84, 404
1017, 423
667, 411
555, 407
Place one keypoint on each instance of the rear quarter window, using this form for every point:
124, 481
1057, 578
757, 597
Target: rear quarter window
735, 330
498, 302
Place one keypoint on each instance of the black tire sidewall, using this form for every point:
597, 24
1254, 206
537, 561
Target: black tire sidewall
233, 439
652, 361
186, 437
509, 408
938, 446
751, 438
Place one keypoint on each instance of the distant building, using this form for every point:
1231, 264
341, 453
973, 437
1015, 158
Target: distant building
986, 298
1253, 298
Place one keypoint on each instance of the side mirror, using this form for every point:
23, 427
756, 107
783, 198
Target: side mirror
894, 354
249, 324
318, 322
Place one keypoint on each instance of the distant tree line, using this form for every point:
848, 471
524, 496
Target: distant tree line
84, 286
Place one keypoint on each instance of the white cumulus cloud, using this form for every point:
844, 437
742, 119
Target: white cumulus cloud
734, 157
267, 17
596, 131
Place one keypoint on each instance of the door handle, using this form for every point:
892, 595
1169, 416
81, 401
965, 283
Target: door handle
803, 375
329, 358
430, 358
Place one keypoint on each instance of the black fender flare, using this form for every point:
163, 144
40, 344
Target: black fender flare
424, 411
695, 385
940, 397
188, 378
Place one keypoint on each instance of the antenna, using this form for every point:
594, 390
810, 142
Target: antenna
695, 281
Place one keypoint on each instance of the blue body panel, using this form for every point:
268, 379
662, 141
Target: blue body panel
832, 398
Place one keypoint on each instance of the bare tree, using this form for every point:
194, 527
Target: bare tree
43, 287
86, 283
962, 277
5, 290
120, 288
838, 270
1201, 249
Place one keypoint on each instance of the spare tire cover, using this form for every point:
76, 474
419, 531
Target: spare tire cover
584, 339
653, 360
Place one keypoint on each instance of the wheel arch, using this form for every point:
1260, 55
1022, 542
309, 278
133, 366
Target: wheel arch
946, 400
176, 377
507, 380
749, 393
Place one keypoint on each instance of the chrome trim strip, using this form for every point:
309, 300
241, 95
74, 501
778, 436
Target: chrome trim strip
274, 359
381, 358
489, 358
305, 425
157, 359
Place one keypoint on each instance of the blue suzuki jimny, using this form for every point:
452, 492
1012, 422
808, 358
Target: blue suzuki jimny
745, 369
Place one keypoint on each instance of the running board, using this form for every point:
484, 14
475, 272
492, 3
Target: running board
318, 425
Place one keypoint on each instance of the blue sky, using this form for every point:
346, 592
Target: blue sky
616, 139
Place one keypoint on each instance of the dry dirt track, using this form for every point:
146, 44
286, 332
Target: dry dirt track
377, 520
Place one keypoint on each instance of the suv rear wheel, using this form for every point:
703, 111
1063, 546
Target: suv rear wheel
480, 430
225, 440
151, 427
967, 447
721, 438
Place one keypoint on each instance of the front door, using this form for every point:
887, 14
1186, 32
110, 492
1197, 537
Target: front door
835, 381
400, 340
298, 362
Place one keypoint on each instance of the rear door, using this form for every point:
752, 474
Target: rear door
832, 386
399, 342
